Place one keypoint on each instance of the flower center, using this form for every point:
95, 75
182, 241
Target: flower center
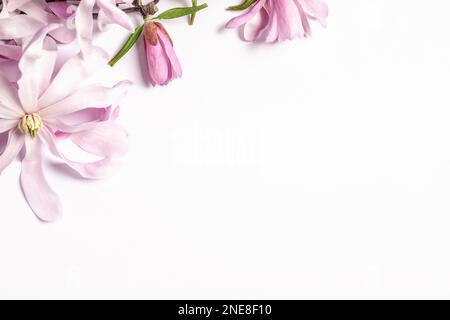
31, 124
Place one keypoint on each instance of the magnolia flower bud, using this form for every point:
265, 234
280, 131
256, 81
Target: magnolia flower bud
31, 124
162, 63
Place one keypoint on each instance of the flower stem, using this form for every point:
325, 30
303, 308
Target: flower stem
192, 18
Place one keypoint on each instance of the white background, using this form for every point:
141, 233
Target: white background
309, 169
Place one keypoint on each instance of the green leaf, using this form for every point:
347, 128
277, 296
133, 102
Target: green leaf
127, 46
244, 5
180, 12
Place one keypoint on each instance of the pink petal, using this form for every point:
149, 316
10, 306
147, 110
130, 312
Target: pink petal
63, 35
115, 14
305, 21
11, 52
270, 32
289, 21
58, 125
157, 63
37, 10
82, 120
249, 32
69, 77
19, 26
15, 4
61, 9
106, 139
316, 8
40, 197
6, 125
102, 20
243, 19
15, 143
36, 66
175, 65
88, 115
94, 96
84, 24
91, 170
3, 141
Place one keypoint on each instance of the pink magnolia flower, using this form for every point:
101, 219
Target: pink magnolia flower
46, 105
281, 19
162, 63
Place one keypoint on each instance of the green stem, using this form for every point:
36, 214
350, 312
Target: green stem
192, 19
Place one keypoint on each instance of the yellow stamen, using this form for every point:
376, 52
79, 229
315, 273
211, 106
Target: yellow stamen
31, 124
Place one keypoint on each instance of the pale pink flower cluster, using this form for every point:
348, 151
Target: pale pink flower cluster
43, 102
280, 20
48, 102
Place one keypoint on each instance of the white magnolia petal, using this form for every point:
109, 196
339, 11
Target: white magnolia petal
93, 96
37, 65
91, 170
40, 196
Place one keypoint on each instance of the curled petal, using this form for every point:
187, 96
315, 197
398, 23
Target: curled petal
91, 170
246, 17
64, 11
102, 20
89, 115
82, 120
270, 31
41, 198
61, 9
85, 27
107, 139
115, 14
59, 125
